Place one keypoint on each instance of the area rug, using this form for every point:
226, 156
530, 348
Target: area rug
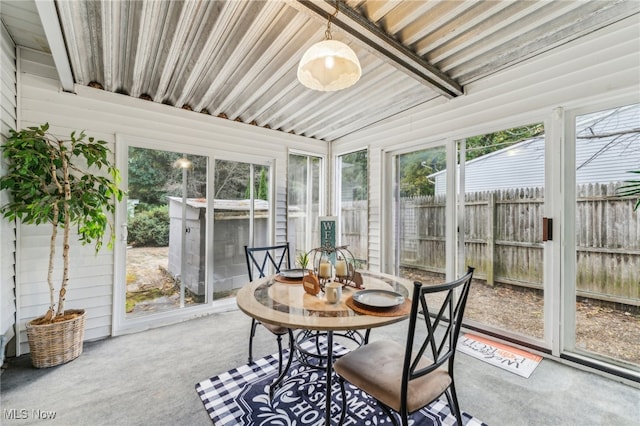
506, 357
240, 397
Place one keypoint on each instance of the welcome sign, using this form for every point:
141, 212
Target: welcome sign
506, 357
328, 232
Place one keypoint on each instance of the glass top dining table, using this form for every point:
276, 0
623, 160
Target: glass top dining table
285, 303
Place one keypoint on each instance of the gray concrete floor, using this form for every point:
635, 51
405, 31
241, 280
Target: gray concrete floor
149, 378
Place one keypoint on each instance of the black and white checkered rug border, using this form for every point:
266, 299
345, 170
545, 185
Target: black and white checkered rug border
219, 393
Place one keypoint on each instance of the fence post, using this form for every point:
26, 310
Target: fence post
491, 237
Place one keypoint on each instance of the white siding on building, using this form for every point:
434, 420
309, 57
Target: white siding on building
601, 65
610, 158
7, 229
514, 167
103, 115
376, 204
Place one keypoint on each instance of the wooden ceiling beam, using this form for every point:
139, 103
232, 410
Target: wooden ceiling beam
51, 26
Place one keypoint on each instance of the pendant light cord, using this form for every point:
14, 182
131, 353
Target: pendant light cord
327, 33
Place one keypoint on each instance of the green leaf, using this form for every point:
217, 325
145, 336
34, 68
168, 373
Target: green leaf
631, 189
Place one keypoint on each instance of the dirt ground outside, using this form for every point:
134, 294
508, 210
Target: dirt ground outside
601, 328
150, 288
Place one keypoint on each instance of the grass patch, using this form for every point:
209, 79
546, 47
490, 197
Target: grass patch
135, 297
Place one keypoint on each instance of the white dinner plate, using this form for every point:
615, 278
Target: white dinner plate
293, 273
378, 298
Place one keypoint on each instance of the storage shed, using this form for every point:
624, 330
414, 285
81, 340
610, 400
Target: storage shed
231, 224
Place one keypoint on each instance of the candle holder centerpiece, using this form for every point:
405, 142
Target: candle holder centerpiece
335, 264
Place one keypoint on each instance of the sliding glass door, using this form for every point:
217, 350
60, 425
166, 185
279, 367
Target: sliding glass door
502, 185
182, 242
499, 198
549, 216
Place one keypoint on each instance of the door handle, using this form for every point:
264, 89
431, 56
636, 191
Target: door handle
547, 229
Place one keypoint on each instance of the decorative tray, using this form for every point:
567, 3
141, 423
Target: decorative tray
378, 299
294, 273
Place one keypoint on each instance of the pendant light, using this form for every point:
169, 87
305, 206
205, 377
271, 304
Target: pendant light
329, 65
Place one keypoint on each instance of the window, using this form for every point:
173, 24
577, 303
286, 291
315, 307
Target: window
304, 202
353, 203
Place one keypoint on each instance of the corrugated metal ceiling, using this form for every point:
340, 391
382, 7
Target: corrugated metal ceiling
238, 59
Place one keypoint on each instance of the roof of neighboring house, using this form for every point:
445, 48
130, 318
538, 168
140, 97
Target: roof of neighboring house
608, 147
239, 205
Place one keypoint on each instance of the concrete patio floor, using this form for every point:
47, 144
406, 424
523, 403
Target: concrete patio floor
149, 378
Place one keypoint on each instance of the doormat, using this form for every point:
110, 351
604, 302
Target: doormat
241, 397
506, 357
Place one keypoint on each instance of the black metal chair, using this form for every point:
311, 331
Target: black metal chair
408, 378
266, 260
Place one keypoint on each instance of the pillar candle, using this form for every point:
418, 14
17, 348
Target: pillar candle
325, 270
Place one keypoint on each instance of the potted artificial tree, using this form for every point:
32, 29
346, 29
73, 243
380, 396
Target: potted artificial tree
66, 183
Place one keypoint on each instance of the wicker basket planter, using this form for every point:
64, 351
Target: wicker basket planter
56, 343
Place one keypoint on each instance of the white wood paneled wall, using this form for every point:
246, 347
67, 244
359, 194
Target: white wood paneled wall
7, 229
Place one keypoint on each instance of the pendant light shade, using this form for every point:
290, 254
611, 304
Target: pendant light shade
328, 66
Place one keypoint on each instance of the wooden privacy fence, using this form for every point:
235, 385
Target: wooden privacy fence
354, 229
503, 239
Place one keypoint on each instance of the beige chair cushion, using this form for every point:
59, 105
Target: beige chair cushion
376, 368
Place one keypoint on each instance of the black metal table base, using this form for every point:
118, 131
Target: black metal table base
317, 358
